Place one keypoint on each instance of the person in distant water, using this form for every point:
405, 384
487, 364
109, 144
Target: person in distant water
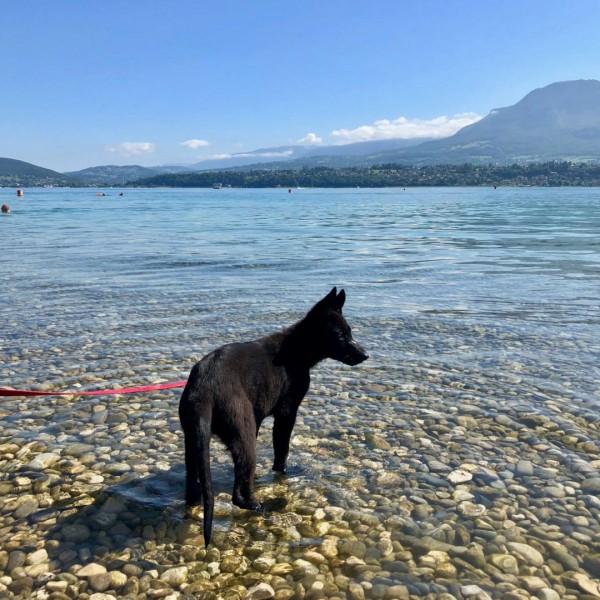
5, 208
121, 194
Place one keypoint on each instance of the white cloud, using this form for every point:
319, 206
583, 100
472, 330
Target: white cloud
132, 148
194, 144
403, 128
310, 139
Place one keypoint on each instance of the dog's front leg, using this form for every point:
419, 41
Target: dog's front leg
282, 432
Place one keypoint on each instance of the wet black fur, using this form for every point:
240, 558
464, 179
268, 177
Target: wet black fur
231, 390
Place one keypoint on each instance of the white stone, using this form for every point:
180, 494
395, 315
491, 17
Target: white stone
43, 461
37, 557
527, 553
175, 576
259, 592
91, 569
459, 476
586, 584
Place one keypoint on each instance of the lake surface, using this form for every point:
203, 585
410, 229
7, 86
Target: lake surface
474, 423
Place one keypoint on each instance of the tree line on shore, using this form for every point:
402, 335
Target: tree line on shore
551, 174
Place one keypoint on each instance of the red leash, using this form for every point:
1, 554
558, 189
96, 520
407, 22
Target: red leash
130, 390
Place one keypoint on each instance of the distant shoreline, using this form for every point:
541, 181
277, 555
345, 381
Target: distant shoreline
552, 174
549, 174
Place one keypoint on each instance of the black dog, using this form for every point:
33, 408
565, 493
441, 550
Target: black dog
232, 389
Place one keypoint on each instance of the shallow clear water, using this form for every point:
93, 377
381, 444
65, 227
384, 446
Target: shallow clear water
472, 303
182, 271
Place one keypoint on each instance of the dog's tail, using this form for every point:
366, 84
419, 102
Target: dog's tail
205, 477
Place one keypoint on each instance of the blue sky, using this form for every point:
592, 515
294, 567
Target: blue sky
155, 82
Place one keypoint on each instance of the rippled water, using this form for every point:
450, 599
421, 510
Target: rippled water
473, 304
182, 271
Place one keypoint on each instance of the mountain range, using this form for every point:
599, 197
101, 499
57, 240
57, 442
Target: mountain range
558, 122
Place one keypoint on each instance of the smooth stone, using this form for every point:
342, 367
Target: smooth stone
76, 533
36, 571
524, 467
472, 590
90, 570
26, 508
100, 582
505, 562
57, 585
44, 461
260, 591
328, 547
304, 568
459, 476
471, 509
548, 594
281, 569
591, 562
264, 564
475, 556
18, 586
15, 559
527, 553
234, 564
78, 449
438, 466
591, 485
555, 491
376, 441
117, 579
533, 583
175, 577
117, 468
37, 557
586, 584
353, 548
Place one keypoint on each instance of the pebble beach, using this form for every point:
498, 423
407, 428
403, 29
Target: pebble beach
461, 461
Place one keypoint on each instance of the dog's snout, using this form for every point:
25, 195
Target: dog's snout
361, 352
356, 354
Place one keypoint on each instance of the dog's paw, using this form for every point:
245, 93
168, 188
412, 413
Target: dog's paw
252, 504
280, 468
193, 500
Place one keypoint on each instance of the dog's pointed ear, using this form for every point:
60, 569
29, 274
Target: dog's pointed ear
329, 300
325, 303
339, 301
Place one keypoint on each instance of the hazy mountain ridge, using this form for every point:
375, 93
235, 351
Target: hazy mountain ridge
114, 175
558, 122
331, 155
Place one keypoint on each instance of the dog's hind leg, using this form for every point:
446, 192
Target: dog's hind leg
243, 452
205, 477
193, 456
195, 419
